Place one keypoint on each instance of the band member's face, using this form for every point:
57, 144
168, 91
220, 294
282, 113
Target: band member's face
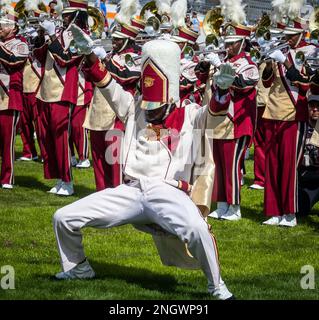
313, 110
156, 116
233, 48
67, 19
182, 45
292, 39
52, 9
6, 30
117, 44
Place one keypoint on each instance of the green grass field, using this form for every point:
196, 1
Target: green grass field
258, 262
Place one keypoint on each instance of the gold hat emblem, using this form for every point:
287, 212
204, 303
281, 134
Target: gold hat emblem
149, 82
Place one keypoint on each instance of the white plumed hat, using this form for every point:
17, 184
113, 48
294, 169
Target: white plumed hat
160, 73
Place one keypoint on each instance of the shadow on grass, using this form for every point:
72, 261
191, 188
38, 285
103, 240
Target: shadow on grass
252, 214
248, 181
30, 183
82, 191
145, 278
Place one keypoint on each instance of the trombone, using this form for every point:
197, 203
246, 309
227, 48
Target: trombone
258, 56
189, 52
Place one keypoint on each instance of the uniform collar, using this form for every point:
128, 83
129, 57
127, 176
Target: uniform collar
238, 56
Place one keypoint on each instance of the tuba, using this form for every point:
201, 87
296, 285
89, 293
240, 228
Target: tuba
26, 18
156, 22
262, 28
153, 23
96, 22
211, 25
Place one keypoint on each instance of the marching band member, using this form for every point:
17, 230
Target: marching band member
106, 129
308, 182
259, 135
153, 165
32, 76
14, 53
233, 108
52, 5
60, 91
184, 37
285, 122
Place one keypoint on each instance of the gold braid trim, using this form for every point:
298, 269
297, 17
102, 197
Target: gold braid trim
105, 81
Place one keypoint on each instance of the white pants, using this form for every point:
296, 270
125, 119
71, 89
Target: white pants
140, 202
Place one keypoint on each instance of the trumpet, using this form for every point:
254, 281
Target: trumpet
258, 56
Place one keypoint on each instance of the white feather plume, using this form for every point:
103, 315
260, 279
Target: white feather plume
59, 7
233, 10
127, 11
280, 9
178, 13
313, 20
5, 2
31, 5
294, 8
163, 6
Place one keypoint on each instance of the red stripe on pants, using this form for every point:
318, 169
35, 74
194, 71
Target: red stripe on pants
55, 120
228, 157
79, 135
284, 146
259, 149
28, 118
8, 124
107, 175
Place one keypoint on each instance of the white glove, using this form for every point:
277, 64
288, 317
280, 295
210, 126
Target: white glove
225, 76
82, 41
100, 52
49, 27
213, 58
278, 56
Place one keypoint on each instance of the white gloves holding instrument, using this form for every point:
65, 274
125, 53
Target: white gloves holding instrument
225, 76
278, 56
100, 52
214, 60
49, 27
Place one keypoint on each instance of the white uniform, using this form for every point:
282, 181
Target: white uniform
148, 197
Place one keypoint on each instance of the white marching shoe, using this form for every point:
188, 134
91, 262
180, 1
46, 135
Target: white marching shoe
221, 293
288, 220
7, 186
81, 271
222, 207
66, 189
256, 187
56, 188
73, 161
28, 159
84, 164
233, 213
273, 221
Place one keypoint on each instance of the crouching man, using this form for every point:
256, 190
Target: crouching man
158, 151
